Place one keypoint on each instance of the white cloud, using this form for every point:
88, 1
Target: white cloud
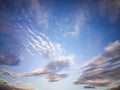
39, 43
79, 20
40, 12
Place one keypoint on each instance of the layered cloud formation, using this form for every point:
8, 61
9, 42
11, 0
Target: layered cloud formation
41, 44
24, 32
103, 69
33, 43
25, 29
5, 85
51, 69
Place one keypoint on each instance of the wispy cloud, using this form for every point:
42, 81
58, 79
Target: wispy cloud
61, 63
110, 9
79, 20
15, 37
56, 77
111, 54
52, 68
103, 69
5, 85
41, 44
26, 74
39, 11
33, 43
9, 59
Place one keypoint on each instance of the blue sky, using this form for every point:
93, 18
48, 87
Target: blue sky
60, 44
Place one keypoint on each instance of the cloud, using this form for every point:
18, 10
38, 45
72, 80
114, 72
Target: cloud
89, 87
26, 74
79, 21
9, 59
114, 88
39, 11
36, 72
41, 44
33, 43
22, 33
111, 54
113, 49
98, 82
61, 63
52, 68
110, 9
10, 46
103, 69
6, 72
56, 77
5, 85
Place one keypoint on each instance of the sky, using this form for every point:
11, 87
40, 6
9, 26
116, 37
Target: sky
59, 44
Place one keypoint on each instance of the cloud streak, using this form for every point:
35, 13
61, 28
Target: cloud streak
41, 44
5, 85
102, 70
56, 77
52, 68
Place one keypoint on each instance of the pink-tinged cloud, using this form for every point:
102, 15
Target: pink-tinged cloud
9, 59
5, 85
114, 88
104, 69
56, 77
52, 68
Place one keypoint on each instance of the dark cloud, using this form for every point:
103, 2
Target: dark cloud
9, 59
56, 77
10, 39
5, 72
89, 87
61, 63
114, 88
110, 9
5, 85
102, 70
